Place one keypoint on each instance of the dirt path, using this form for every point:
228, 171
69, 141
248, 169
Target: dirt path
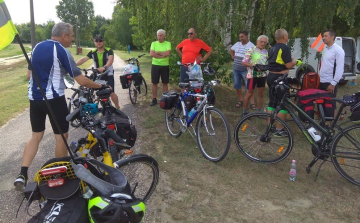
14, 136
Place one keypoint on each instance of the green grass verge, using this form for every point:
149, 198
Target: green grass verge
13, 50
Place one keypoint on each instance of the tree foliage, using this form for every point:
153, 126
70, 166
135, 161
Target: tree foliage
67, 10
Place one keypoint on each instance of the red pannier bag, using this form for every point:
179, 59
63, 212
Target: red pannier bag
310, 80
306, 101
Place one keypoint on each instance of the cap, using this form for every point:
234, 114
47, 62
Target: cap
98, 37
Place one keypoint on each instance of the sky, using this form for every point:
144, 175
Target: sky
44, 10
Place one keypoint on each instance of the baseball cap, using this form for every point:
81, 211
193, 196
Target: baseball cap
98, 37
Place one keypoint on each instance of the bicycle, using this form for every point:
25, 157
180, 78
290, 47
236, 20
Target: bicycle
212, 130
83, 94
141, 171
254, 135
132, 79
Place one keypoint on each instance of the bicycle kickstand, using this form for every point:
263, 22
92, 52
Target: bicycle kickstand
317, 173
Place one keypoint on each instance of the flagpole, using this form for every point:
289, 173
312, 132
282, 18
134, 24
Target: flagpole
43, 94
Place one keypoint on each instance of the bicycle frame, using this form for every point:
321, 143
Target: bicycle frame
291, 107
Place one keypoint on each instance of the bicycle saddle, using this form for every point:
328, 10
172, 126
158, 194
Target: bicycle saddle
104, 93
184, 85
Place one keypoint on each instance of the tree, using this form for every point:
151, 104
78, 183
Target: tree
68, 9
100, 21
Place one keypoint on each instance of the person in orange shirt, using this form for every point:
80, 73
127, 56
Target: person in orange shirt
191, 49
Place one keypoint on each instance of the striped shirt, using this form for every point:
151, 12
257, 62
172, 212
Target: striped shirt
51, 61
240, 51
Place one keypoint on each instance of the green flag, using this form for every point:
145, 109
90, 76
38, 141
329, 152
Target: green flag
7, 28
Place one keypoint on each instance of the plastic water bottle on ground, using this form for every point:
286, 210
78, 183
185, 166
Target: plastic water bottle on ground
292, 174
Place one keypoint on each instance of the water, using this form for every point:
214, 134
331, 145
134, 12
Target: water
292, 173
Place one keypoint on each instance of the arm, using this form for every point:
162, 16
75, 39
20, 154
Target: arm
207, 55
232, 53
160, 54
83, 81
108, 64
339, 71
82, 60
246, 60
179, 52
291, 64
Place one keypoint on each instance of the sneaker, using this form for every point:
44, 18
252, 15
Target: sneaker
281, 133
154, 102
20, 183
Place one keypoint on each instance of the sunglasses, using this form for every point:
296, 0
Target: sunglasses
98, 41
190, 33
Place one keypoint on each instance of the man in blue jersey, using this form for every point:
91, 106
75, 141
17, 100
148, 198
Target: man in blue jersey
50, 61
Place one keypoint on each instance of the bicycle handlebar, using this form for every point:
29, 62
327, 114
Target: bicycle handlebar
134, 59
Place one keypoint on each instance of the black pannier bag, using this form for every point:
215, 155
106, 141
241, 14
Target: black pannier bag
124, 81
125, 129
190, 102
355, 111
306, 99
168, 100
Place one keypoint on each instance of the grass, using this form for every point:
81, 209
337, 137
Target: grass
13, 50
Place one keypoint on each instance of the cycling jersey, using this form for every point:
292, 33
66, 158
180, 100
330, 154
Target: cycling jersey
192, 49
100, 59
51, 61
160, 47
279, 55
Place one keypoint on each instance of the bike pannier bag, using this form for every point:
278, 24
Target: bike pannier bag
310, 80
355, 111
125, 129
190, 102
168, 100
124, 81
137, 77
69, 210
306, 98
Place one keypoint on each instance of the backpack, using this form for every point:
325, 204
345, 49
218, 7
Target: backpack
310, 80
306, 100
168, 100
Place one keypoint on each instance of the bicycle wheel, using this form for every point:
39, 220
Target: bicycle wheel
143, 87
142, 173
213, 134
253, 144
71, 107
173, 119
132, 92
113, 152
345, 153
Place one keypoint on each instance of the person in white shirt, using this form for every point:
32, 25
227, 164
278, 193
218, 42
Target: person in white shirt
237, 52
332, 63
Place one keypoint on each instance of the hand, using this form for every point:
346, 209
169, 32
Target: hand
200, 58
101, 69
330, 89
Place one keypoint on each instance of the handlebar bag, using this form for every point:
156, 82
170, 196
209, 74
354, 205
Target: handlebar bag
168, 100
306, 99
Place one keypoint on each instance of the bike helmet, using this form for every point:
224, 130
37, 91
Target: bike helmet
209, 71
115, 210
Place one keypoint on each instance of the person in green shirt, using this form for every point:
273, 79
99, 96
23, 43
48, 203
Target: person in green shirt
103, 58
160, 52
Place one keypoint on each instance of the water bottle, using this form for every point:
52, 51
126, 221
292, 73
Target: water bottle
192, 112
292, 174
312, 131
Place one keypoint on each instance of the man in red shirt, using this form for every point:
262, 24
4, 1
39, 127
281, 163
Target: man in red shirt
191, 49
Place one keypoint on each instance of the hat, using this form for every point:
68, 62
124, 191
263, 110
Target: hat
98, 37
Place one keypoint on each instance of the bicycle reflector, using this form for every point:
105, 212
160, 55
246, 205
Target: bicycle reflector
319, 101
56, 182
197, 90
54, 170
111, 126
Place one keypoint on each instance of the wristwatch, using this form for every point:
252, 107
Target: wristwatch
105, 67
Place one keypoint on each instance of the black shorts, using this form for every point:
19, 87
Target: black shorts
324, 86
159, 71
257, 81
275, 96
109, 81
39, 110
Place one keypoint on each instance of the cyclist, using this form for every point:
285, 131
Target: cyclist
103, 58
50, 61
159, 51
280, 61
189, 50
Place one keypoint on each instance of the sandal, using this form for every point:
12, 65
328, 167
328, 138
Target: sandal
253, 107
239, 104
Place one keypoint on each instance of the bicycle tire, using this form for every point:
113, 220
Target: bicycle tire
132, 92
253, 127
143, 87
114, 153
347, 165
75, 123
173, 121
211, 139
134, 168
